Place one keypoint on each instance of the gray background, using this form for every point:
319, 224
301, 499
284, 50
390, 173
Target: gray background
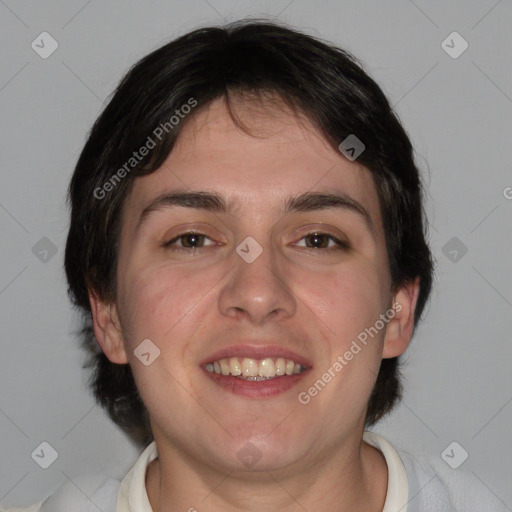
457, 112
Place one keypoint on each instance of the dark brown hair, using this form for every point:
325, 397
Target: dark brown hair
325, 83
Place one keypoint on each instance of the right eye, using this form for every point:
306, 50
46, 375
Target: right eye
190, 242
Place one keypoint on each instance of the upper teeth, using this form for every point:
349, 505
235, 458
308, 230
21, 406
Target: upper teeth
248, 367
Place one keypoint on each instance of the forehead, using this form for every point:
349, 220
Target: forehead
278, 155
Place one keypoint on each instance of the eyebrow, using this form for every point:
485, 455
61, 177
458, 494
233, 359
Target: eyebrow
213, 202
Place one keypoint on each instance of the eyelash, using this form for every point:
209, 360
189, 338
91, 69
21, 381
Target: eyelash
341, 244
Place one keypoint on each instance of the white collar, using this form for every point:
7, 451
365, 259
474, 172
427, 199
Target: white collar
398, 486
133, 497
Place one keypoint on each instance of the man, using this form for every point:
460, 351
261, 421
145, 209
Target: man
247, 245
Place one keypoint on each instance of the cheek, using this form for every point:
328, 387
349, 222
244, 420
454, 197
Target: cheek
159, 304
346, 300
348, 303
159, 301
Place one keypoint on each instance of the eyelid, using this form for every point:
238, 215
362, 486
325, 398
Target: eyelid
322, 229
185, 233
341, 244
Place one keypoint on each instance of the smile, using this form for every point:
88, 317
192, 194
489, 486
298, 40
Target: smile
251, 369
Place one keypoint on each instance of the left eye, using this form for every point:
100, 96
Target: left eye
319, 238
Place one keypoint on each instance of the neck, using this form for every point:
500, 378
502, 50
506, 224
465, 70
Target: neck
354, 480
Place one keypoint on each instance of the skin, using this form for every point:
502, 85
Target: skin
314, 301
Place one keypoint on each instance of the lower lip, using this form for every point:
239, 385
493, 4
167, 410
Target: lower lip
256, 388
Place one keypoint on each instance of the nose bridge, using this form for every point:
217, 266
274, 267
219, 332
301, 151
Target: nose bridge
257, 286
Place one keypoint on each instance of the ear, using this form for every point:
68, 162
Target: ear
107, 330
400, 328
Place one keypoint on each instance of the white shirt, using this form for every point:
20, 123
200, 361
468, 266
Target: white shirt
415, 484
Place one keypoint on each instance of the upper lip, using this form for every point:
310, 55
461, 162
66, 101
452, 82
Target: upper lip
256, 351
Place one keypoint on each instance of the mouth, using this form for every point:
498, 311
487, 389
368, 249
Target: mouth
255, 372
255, 369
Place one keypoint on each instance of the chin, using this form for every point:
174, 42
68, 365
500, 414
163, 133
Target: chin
254, 454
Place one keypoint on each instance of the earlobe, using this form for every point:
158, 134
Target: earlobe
400, 328
107, 329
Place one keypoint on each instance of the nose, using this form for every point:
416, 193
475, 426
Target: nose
259, 289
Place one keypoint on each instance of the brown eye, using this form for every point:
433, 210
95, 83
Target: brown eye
188, 241
319, 240
192, 239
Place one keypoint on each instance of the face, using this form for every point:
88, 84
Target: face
257, 283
